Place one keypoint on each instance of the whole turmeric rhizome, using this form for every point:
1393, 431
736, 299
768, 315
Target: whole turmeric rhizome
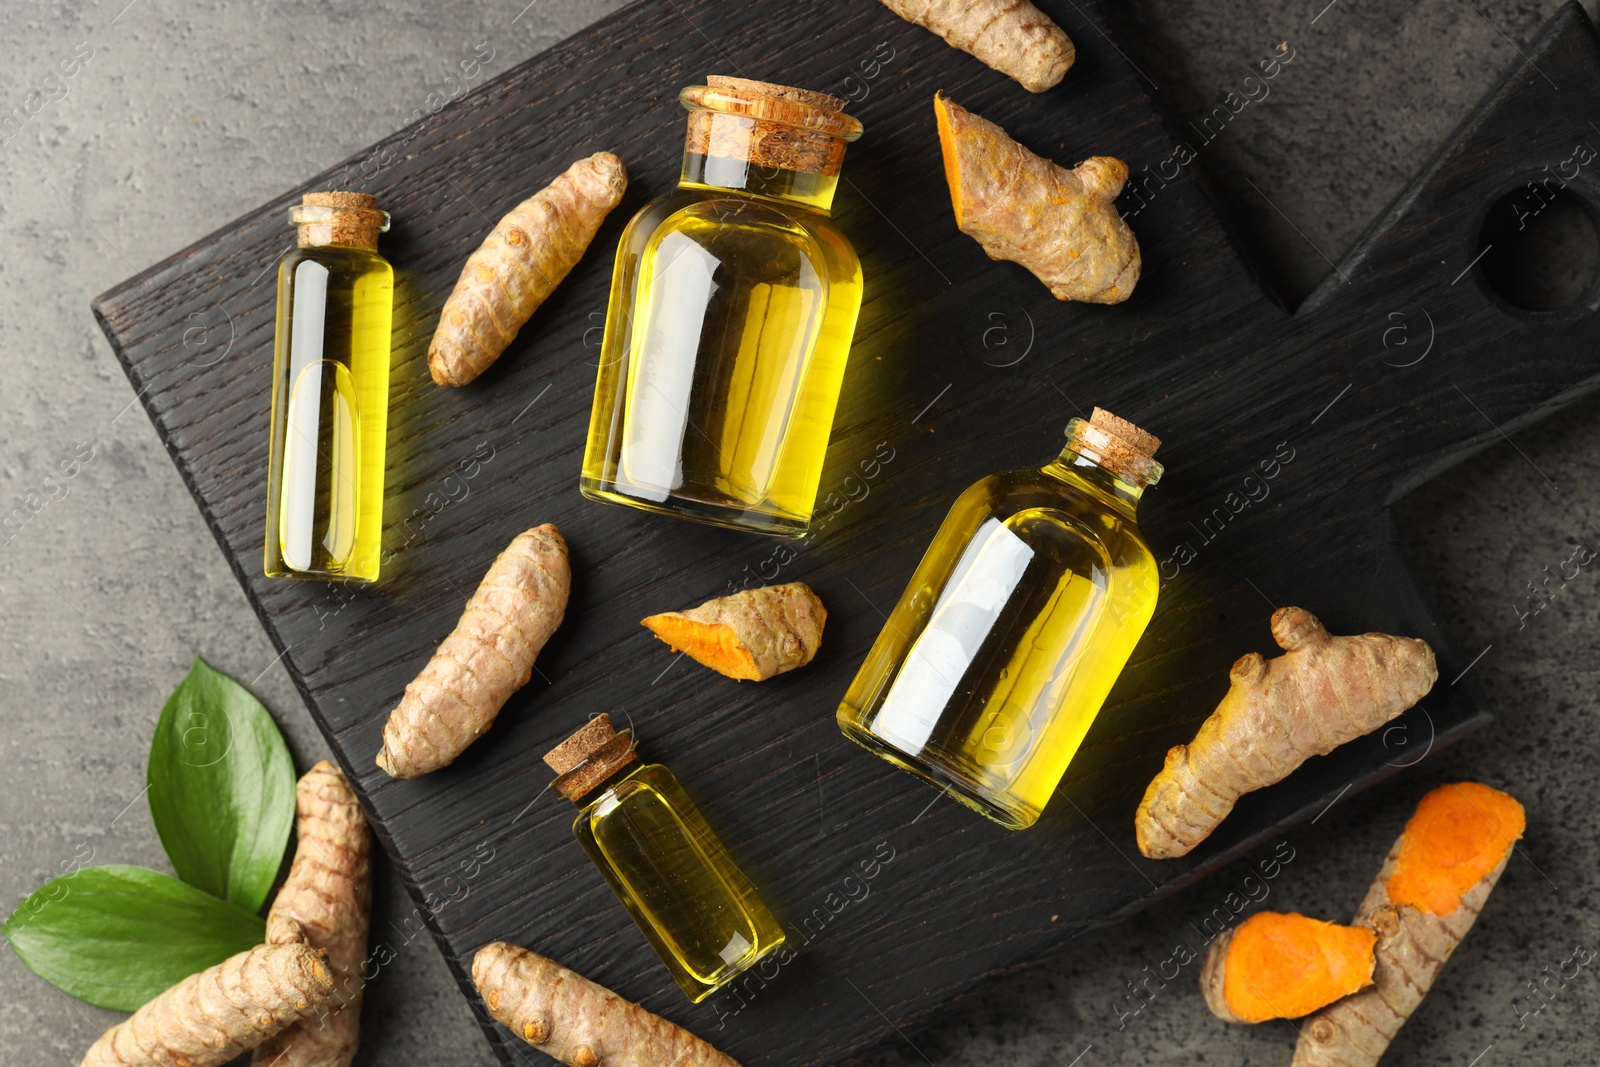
485, 659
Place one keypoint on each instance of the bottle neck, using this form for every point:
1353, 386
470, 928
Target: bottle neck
611, 781
1087, 474
814, 191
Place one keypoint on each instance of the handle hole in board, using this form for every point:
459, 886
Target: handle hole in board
1539, 248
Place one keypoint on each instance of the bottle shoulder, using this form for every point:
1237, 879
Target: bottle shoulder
694, 204
336, 258
1041, 502
642, 781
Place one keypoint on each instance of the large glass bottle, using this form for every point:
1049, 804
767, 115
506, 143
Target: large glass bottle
733, 303
1016, 623
691, 901
330, 393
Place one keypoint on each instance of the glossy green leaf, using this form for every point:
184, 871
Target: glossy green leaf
117, 936
221, 788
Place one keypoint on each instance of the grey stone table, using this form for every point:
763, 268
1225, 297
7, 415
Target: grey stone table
180, 116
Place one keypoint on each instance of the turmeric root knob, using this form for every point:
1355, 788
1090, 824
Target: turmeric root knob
328, 898
1322, 692
486, 658
210, 1017
750, 635
1283, 966
1058, 223
1012, 36
1458, 832
579, 1022
519, 265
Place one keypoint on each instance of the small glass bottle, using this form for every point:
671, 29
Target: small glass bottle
733, 304
1016, 623
693, 904
330, 393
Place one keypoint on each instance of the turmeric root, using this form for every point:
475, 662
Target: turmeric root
328, 897
1277, 966
1431, 888
488, 656
1012, 36
750, 635
519, 265
1322, 692
579, 1022
210, 1017
1058, 223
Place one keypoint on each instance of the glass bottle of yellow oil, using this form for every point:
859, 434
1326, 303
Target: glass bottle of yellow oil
1016, 623
693, 904
733, 303
330, 393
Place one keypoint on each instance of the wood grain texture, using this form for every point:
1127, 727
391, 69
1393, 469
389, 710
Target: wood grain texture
1201, 355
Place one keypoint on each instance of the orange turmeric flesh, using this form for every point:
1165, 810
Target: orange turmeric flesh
1283, 966
947, 147
1457, 835
714, 645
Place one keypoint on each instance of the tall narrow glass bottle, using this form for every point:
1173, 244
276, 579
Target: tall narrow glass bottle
693, 904
330, 393
733, 303
1016, 623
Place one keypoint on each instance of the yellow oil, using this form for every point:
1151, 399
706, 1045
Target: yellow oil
693, 904
731, 316
1000, 653
330, 404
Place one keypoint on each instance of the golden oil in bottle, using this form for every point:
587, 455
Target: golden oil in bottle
1019, 618
654, 849
733, 304
330, 393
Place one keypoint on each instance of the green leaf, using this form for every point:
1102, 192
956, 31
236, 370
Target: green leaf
117, 936
221, 788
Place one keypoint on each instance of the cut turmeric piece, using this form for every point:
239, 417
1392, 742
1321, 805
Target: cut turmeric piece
1011, 36
1060, 224
1420, 906
1322, 692
519, 265
1457, 836
750, 635
1283, 966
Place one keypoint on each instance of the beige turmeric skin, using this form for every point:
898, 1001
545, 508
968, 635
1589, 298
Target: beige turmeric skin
579, 1022
1322, 692
211, 1017
1060, 224
486, 658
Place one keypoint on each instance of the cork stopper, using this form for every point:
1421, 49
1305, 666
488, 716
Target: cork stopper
341, 198
589, 757
1142, 442
771, 126
782, 92
1117, 445
338, 217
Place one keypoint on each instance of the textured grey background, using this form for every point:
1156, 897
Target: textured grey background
188, 114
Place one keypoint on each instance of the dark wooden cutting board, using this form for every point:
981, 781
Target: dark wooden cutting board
961, 367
